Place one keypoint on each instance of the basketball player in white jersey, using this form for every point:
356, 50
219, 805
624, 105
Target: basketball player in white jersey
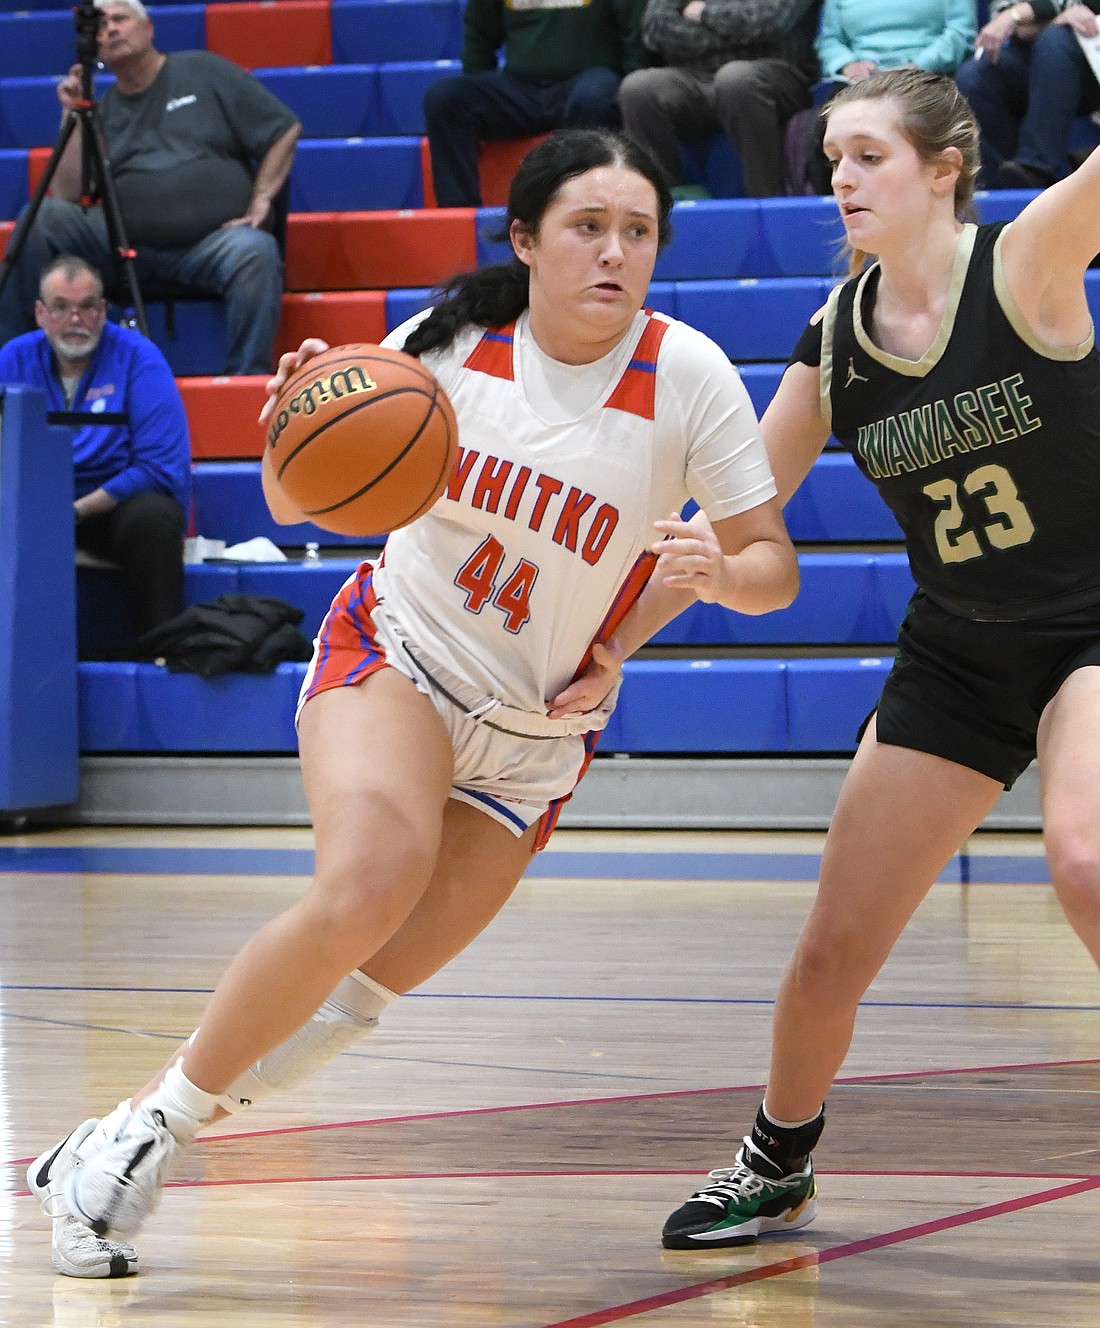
458, 687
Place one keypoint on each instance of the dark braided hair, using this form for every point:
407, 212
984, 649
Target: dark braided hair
495, 296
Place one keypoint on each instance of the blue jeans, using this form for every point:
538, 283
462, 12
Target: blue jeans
493, 104
1026, 102
240, 265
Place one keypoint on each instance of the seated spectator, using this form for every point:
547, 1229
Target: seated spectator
133, 472
198, 151
743, 69
562, 66
1027, 82
858, 38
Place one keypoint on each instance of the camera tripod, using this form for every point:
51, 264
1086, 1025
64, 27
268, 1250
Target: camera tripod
96, 185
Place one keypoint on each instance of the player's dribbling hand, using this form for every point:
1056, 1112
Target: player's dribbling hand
690, 557
288, 363
594, 685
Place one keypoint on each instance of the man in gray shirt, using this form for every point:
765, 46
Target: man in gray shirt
198, 150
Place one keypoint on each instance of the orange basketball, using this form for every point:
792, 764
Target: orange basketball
362, 439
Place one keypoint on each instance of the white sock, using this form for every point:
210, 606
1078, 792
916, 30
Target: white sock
186, 1108
789, 1124
106, 1130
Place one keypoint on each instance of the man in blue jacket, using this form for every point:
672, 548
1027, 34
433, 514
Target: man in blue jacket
133, 470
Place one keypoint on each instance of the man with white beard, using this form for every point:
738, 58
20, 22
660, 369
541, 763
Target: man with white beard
131, 450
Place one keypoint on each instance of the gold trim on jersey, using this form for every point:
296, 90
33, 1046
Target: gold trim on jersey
825, 380
964, 248
1011, 311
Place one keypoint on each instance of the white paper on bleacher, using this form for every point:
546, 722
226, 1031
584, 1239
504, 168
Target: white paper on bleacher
1091, 48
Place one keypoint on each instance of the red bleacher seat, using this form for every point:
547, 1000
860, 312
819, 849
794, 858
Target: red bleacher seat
342, 250
222, 414
258, 36
36, 165
336, 316
496, 164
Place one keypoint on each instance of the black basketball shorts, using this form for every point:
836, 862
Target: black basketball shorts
973, 692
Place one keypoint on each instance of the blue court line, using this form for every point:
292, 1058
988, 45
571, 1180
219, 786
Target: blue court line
550, 997
964, 868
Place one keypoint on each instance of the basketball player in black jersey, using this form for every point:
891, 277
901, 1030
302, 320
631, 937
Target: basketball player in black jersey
961, 372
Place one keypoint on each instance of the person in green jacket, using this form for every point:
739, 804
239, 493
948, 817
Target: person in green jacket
563, 62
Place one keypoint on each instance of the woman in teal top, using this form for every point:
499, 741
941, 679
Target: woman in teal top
858, 37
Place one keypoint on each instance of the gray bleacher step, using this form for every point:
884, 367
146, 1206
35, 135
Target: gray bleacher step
619, 792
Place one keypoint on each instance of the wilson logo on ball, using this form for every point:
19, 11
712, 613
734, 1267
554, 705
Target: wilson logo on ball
367, 439
309, 399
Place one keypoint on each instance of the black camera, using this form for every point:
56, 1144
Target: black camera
88, 22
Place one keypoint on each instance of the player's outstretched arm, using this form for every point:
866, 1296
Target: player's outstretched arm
1046, 250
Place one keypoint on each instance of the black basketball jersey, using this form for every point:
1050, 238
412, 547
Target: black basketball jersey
987, 449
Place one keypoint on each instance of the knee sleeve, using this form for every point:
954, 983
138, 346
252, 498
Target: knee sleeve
350, 1012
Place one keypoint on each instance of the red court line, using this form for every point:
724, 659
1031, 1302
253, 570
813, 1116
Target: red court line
547, 1173
616, 1313
624, 1097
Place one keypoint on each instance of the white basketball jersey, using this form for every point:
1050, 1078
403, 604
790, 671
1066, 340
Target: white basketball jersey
539, 545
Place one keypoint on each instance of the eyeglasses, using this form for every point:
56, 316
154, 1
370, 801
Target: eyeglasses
86, 310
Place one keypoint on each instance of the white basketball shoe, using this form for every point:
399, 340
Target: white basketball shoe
77, 1250
117, 1188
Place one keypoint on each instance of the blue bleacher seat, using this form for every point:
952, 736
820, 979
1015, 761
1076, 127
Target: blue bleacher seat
662, 296
37, 43
1092, 294
1002, 204
41, 42
390, 31
846, 599
894, 584
488, 223
836, 502
229, 505
356, 175
713, 706
799, 237
310, 584
403, 304
30, 114
710, 238
761, 381
837, 604
401, 88
752, 319
13, 182
191, 334
828, 699
144, 708
332, 101
703, 705
179, 27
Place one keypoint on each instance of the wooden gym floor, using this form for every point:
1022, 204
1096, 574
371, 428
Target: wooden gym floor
502, 1153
